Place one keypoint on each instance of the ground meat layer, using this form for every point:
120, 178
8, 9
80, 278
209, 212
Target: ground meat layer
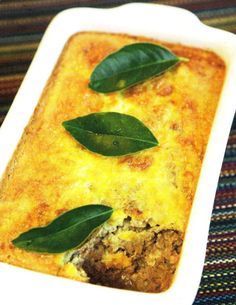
131, 257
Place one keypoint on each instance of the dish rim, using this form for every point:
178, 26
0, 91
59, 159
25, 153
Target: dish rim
64, 25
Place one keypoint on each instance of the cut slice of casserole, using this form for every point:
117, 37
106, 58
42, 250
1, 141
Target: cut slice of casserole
151, 191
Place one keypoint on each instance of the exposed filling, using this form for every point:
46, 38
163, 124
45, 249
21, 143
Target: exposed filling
137, 257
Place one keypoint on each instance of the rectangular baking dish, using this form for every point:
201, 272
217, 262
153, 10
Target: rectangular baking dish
156, 21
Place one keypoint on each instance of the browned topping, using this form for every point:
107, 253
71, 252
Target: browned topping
96, 51
137, 162
165, 90
136, 91
41, 209
174, 126
2, 246
189, 104
134, 211
189, 175
60, 211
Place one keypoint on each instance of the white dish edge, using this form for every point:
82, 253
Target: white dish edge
156, 21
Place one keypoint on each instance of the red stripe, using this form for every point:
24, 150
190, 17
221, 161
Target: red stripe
224, 235
220, 266
226, 194
203, 5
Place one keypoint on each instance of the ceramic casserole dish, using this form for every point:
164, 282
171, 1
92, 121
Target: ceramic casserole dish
160, 22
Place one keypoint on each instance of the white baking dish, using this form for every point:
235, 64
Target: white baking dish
157, 21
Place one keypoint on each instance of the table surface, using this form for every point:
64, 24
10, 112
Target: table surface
22, 24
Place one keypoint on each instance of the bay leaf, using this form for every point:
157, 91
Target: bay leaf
131, 65
66, 232
111, 133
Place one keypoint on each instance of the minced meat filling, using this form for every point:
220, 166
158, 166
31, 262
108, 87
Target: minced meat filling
129, 257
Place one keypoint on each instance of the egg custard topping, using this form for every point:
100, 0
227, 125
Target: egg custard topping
145, 192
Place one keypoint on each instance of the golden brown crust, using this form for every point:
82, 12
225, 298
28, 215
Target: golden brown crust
51, 173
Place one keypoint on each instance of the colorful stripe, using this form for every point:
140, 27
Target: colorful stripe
22, 24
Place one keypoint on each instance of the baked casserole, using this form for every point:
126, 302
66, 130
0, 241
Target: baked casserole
151, 191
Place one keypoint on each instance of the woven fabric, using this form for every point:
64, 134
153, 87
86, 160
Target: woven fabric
22, 24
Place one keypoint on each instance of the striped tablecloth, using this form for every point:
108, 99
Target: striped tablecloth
22, 24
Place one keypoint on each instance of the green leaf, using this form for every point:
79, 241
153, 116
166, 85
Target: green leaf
111, 133
66, 232
130, 65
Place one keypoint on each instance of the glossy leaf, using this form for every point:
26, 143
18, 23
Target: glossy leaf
130, 65
66, 232
111, 133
